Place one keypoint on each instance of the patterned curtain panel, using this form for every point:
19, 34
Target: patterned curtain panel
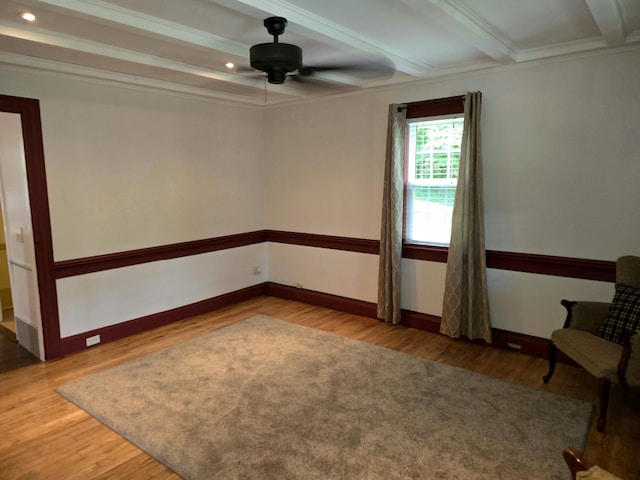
465, 310
389, 308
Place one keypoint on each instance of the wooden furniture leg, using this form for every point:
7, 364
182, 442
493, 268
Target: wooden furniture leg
604, 388
552, 363
575, 461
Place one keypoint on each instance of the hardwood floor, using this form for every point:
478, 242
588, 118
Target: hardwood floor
12, 355
46, 437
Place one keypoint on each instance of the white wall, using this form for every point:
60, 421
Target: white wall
351, 275
560, 145
129, 169
140, 290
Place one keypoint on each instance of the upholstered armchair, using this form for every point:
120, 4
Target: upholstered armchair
604, 338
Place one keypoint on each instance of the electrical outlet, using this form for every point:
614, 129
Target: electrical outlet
514, 346
93, 340
299, 286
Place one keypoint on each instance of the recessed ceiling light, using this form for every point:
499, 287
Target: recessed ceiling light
229, 65
28, 16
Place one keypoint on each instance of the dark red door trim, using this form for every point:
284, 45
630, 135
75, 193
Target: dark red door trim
29, 110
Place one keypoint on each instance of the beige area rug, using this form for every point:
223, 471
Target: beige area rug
267, 399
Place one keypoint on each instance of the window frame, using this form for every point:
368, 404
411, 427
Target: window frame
423, 110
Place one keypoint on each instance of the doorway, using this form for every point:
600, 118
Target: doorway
7, 320
28, 230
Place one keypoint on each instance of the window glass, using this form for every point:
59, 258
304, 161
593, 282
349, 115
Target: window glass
433, 161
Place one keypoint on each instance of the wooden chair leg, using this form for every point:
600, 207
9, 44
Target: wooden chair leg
604, 388
552, 363
574, 461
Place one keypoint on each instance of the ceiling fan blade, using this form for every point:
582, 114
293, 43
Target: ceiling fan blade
377, 69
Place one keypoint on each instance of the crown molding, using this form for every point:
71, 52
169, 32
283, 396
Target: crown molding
65, 70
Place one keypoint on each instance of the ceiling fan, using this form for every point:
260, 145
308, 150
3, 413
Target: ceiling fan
283, 60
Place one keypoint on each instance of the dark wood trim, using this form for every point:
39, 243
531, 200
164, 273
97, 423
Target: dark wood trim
520, 262
542, 264
421, 321
578, 268
437, 106
77, 343
320, 299
80, 266
551, 265
429, 253
527, 344
347, 244
525, 262
29, 110
503, 339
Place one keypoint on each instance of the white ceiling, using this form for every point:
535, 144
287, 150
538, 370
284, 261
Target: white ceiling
183, 45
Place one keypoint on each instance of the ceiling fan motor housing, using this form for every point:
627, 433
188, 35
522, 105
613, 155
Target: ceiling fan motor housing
276, 59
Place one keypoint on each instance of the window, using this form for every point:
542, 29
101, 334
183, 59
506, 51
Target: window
433, 158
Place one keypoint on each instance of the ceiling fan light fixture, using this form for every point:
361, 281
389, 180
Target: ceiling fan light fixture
276, 76
275, 56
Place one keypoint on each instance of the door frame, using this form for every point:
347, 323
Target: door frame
29, 110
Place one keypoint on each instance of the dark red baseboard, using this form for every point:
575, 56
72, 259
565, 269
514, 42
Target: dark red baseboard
421, 321
503, 339
320, 299
77, 343
526, 344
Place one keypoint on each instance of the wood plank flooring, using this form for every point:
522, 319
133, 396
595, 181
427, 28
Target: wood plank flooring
12, 355
46, 437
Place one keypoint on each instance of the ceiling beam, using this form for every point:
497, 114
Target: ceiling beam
67, 42
329, 31
468, 26
137, 21
608, 16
